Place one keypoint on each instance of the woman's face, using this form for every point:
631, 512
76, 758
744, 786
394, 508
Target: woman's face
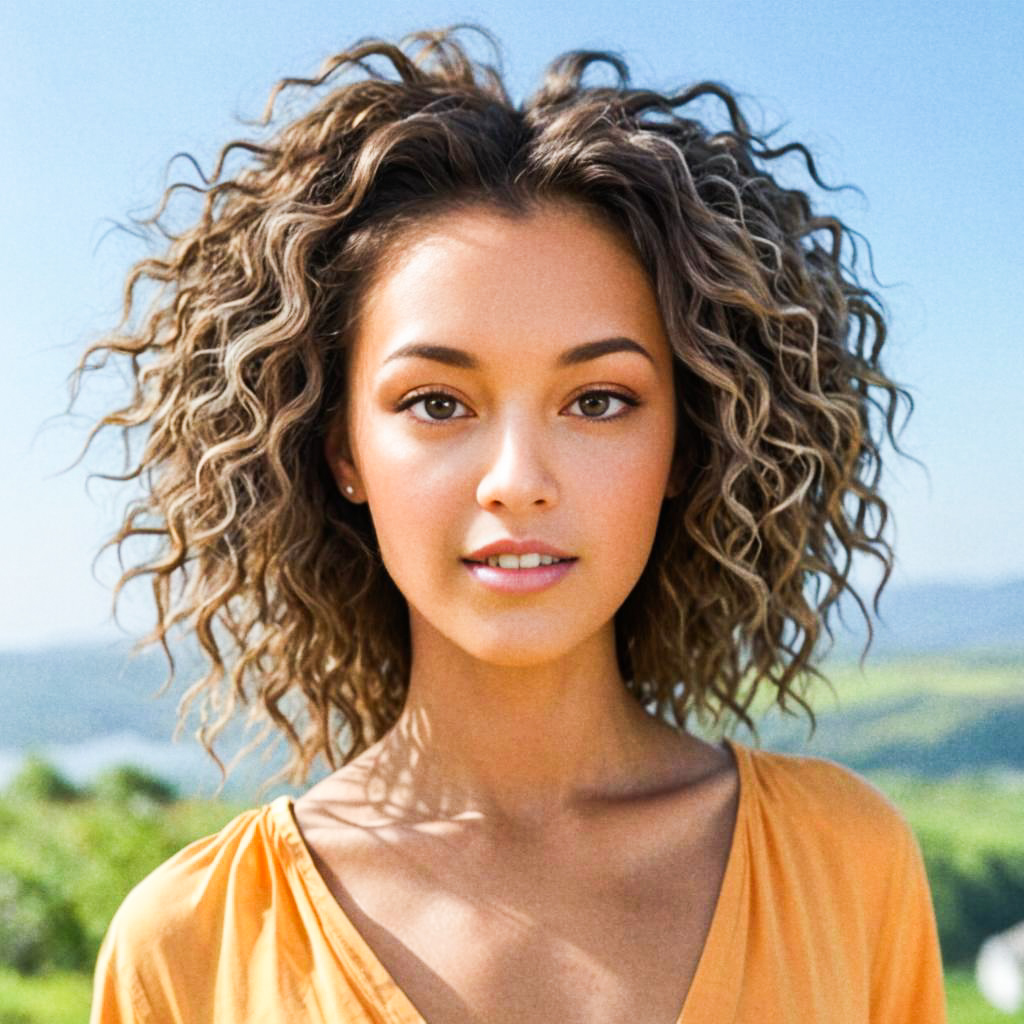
510, 381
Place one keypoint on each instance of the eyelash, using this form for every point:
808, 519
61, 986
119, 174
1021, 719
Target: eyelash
416, 397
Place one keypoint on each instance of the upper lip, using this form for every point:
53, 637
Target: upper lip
515, 547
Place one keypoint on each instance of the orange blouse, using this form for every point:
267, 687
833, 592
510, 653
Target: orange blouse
824, 915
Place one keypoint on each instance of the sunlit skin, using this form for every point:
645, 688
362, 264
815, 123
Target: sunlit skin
525, 829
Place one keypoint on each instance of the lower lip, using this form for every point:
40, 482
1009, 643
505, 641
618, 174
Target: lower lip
519, 581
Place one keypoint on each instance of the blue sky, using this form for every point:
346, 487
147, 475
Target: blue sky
920, 105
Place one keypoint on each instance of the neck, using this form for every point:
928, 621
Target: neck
519, 744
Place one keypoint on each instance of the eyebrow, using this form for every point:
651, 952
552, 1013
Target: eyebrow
570, 357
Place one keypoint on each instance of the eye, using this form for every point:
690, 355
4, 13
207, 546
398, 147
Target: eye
440, 406
595, 405
437, 406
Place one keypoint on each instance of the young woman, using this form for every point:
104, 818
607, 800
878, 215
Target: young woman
486, 447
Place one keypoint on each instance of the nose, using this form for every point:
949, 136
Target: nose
518, 475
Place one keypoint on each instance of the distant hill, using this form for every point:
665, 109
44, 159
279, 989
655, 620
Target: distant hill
72, 694
940, 618
943, 693
930, 716
88, 708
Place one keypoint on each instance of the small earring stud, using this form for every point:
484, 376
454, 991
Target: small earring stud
349, 489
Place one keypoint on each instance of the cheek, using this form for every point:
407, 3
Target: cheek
414, 493
642, 460
620, 493
427, 473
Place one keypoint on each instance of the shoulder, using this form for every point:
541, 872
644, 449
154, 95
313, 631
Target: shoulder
819, 829
840, 858
182, 936
192, 893
825, 803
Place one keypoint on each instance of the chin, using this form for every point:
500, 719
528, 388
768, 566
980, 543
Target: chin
523, 645
510, 652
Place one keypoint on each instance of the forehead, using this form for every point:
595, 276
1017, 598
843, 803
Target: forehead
494, 282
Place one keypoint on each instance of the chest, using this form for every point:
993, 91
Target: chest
560, 957
583, 932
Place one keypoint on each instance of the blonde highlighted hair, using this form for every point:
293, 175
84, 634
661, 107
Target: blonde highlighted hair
239, 366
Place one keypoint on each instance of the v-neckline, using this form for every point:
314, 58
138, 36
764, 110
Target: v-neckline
702, 1003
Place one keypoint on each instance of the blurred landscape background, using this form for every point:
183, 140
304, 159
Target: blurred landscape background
916, 104
95, 796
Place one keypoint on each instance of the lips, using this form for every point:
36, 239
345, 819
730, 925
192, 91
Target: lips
519, 581
508, 546
558, 561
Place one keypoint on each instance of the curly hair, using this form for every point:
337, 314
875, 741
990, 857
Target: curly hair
239, 366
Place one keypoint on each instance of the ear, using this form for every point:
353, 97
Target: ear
339, 459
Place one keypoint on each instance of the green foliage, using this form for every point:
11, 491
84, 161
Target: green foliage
75, 862
59, 997
126, 784
38, 927
971, 833
973, 900
966, 1004
39, 779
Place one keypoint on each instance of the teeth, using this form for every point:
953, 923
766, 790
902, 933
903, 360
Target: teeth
530, 561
